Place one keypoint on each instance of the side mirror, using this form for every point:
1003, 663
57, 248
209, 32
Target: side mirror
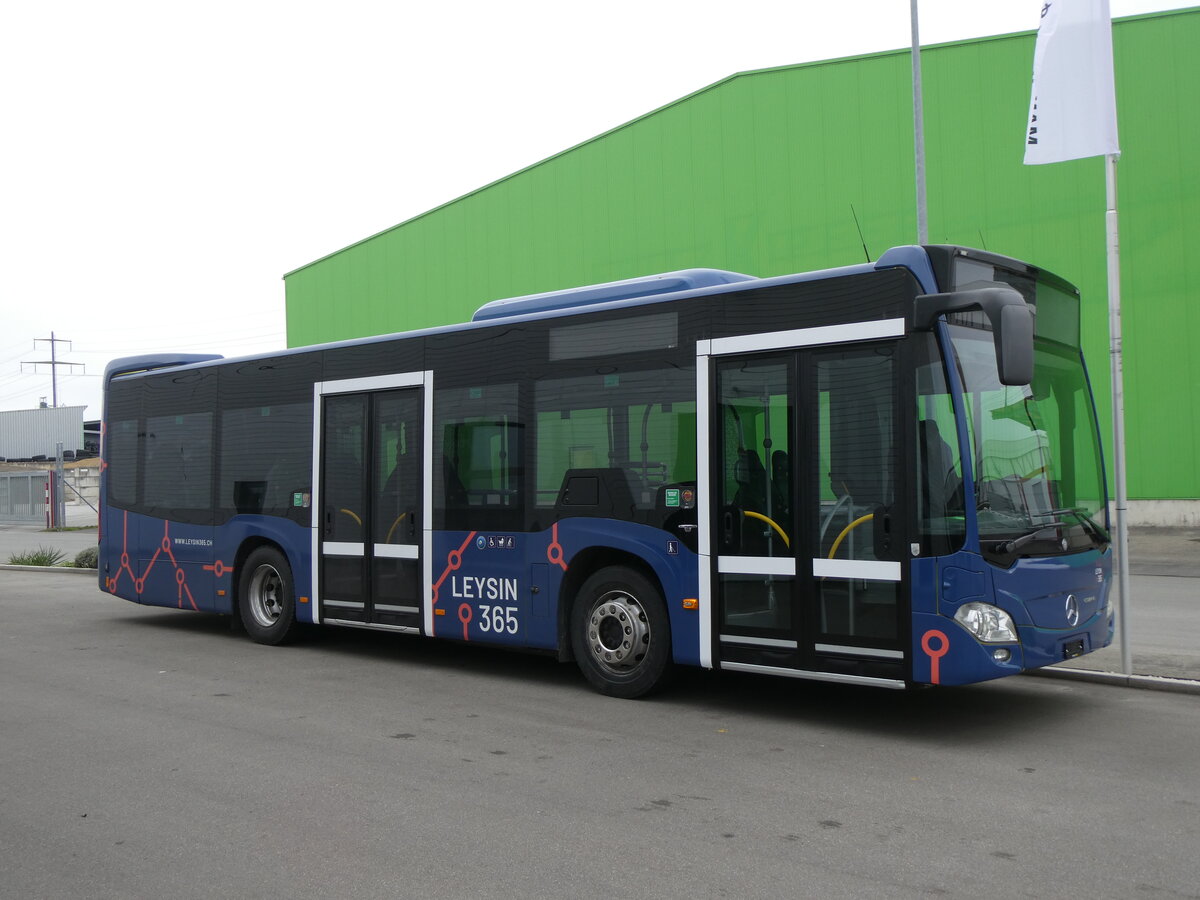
1010, 317
1014, 344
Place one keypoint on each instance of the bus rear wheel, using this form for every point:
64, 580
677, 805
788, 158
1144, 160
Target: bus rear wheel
266, 597
620, 633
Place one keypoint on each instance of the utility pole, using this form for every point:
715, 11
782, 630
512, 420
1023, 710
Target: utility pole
53, 362
918, 129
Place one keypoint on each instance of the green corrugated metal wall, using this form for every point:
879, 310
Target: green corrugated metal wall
758, 173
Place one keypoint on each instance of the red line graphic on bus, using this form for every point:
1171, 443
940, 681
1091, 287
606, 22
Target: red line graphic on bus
111, 583
453, 561
218, 568
935, 655
464, 615
554, 552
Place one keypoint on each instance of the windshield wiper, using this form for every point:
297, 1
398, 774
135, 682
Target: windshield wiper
1028, 538
1090, 525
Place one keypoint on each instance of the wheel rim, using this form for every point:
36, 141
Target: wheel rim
618, 632
265, 596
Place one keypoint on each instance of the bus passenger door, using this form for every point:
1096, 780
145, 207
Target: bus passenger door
806, 522
753, 527
857, 539
369, 529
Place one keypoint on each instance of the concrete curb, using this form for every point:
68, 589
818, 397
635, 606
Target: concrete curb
1142, 682
70, 569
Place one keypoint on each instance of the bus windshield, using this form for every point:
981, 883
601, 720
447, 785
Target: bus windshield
1035, 448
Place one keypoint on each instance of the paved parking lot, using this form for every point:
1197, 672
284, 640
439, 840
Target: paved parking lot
149, 753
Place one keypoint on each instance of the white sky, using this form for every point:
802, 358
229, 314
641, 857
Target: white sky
163, 164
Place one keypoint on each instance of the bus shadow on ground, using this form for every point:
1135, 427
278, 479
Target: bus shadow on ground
381, 648
937, 714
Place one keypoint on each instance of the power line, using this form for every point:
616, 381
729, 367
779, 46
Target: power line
13, 377
15, 394
192, 341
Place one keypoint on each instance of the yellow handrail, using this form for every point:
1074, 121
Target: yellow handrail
845, 531
762, 518
352, 515
399, 519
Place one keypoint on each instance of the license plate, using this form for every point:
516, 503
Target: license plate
1072, 649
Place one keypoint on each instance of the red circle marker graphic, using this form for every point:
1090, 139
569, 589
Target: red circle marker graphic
935, 655
166, 544
464, 616
180, 578
554, 552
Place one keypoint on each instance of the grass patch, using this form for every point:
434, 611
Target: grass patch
42, 556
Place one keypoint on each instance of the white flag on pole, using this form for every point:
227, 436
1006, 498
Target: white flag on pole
1073, 107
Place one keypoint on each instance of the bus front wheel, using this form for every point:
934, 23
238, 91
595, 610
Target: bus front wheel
620, 633
266, 597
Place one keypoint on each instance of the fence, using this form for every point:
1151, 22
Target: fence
23, 496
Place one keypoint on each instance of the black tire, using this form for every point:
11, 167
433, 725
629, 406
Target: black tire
620, 633
267, 597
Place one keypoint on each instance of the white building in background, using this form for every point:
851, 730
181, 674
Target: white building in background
29, 433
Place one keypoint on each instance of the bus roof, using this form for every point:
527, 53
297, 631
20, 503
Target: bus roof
668, 287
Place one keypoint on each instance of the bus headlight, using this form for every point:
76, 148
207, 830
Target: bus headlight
988, 623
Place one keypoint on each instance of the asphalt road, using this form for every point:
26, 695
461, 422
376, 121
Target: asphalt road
149, 753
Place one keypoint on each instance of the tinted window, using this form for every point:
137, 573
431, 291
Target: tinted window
178, 465
940, 500
121, 454
177, 445
631, 433
266, 458
477, 465
659, 331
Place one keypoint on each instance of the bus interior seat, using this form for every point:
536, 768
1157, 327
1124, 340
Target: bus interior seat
595, 492
456, 492
942, 486
751, 478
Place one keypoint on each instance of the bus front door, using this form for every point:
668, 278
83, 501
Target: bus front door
370, 506
806, 526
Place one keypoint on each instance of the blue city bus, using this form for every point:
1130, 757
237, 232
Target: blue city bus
884, 474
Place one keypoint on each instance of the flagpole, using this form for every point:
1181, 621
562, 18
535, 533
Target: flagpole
1118, 406
918, 130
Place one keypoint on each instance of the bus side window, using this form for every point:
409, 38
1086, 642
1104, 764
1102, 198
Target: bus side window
637, 428
940, 499
478, 458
